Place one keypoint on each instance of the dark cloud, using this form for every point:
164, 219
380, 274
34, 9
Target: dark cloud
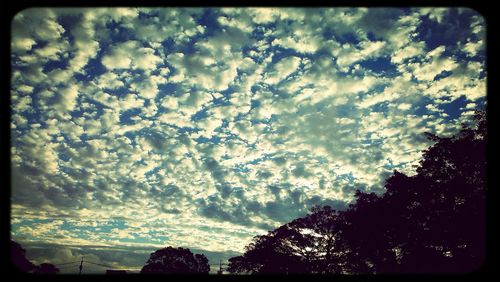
26, 192
156, 140
216, 170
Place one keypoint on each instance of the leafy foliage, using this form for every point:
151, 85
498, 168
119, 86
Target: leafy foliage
46, 268
22, 264
432, 222
176, 261
18, 258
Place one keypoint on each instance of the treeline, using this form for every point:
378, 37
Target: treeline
432, 222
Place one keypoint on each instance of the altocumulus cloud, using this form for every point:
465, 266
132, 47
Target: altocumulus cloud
133, 129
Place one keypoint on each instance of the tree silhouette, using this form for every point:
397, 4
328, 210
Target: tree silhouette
46, 268
176, 261
432, 222
22, 264
19, 260
306, 245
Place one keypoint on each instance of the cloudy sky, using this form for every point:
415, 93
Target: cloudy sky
136, 129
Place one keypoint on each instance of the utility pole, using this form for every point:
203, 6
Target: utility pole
220, 268
81, 266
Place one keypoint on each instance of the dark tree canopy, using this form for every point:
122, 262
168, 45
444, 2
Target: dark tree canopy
171, 260
432, 222
47, 268
22, 264
18, 258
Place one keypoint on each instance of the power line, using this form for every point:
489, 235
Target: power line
99, 264
66, 263
66, 267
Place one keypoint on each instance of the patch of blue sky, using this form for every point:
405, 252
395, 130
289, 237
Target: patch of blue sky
481, 103
260, 31
246, 51
328, 33
168, 46
127, 116
226, 95
136, 75
152, 172
419, 107
455, 25
97, 109
93, 68
53, 65
64, 157
185, 129
372, 37
81, 76
346, 176
212, 139
27, 222
443, 74
117, 33
168, 89
454, 108
390, 166
69, 21
280, 53
482, 73
259, 56
381, 65
240, 168
263, 157
254, 104
382, 107
33, 114
208, 19
349, 38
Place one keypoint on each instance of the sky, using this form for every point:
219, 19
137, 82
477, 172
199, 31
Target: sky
136, 129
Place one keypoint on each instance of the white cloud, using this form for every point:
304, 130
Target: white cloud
303, 43
176, 118
109, 80
348, 54
472, 48
67, 98
282, 69
409, 51
436, 65
170, 102
404, 107
85, 47
130, 54
19, 44
208, 125
130, 101
147, 88
235, 23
